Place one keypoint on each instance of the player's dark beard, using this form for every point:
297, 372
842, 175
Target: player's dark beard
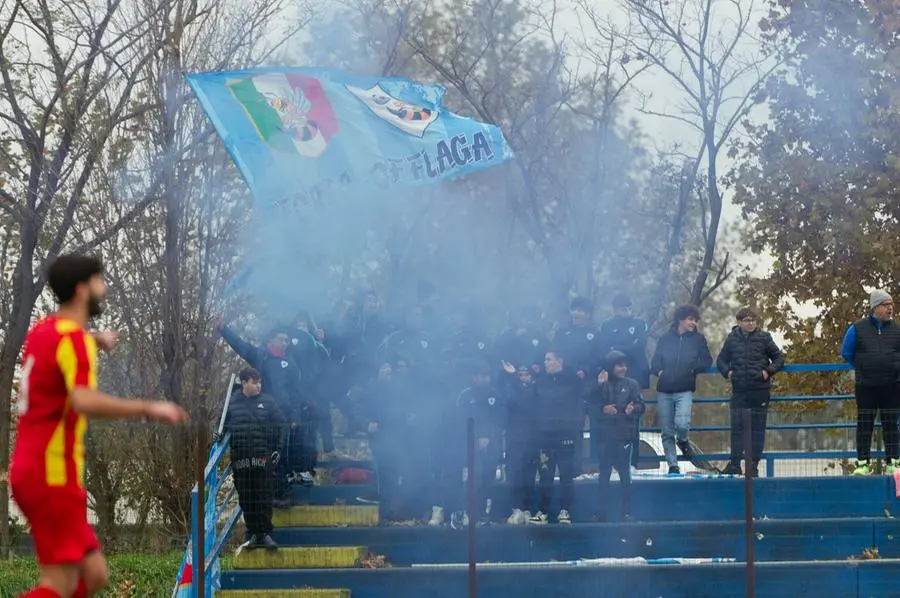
95, 306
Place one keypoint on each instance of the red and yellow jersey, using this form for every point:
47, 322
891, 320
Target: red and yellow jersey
59, 356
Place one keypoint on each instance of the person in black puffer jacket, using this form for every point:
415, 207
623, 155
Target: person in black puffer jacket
485, 403
522, 446
256, 426
281, 379
680, 355
614, 406
560, 421
749, 358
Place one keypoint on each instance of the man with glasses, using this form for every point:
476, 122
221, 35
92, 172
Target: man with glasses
749, 359
872, 347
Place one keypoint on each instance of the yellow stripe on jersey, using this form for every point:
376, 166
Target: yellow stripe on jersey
77, 366
78, 449
55, 455
90, 344
68, 359
64, 327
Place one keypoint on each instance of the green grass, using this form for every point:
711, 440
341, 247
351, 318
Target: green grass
131, 575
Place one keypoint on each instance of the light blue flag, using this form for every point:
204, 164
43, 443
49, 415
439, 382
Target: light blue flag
293, 131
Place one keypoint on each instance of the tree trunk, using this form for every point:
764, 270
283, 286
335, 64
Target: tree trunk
24, 295
9, 356
715, 214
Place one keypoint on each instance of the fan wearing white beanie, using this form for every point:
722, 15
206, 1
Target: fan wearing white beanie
872, 346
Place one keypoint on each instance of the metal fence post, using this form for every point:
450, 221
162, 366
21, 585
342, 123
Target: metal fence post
196, 546
199, 496
473, 506
748, 502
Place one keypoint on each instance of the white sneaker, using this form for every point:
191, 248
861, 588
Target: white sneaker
563, 517
437, 516
518, 517
459, 520
538, 519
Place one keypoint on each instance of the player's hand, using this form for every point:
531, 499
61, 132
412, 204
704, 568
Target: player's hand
106, 340
765, 375
610, 410
602, 377
629, 408
166, 412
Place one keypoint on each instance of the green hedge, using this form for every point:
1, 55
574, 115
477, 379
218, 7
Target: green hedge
131, 576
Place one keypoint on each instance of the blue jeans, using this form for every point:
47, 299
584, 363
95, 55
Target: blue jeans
675, 421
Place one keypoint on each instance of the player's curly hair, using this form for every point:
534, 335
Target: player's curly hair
70, 270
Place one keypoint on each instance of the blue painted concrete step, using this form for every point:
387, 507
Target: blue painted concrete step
680, 499
333, 494
863, 579
776, 540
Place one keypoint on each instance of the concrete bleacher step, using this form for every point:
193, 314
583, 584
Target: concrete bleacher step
813, 537
302, 557
722, 498
325, 516
775, 540
332, 494
687, 499
841, 579
300, 593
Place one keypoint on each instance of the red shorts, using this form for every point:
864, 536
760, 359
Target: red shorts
58, 520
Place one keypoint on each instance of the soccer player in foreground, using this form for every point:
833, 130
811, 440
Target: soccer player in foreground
57, 394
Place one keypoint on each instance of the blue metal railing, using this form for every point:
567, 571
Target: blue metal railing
771, 458
214, 511
215, 536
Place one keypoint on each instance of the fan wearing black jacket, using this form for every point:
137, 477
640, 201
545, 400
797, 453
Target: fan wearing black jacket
614, 406
281, 379
680, 355
522, 447
256, 426
559, 396
749, 358
486, 405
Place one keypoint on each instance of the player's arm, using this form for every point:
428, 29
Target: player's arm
75, 356
97, 404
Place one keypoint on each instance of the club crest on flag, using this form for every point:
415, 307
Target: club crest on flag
290, 112
409, 118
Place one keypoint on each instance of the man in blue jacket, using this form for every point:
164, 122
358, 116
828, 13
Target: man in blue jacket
872, 347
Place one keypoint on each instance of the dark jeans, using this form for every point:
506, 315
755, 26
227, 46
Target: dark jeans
254, 490
558, 452
292, 459
307, 451
614, 454
522, 460
757, 401
885, 402
388, 465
